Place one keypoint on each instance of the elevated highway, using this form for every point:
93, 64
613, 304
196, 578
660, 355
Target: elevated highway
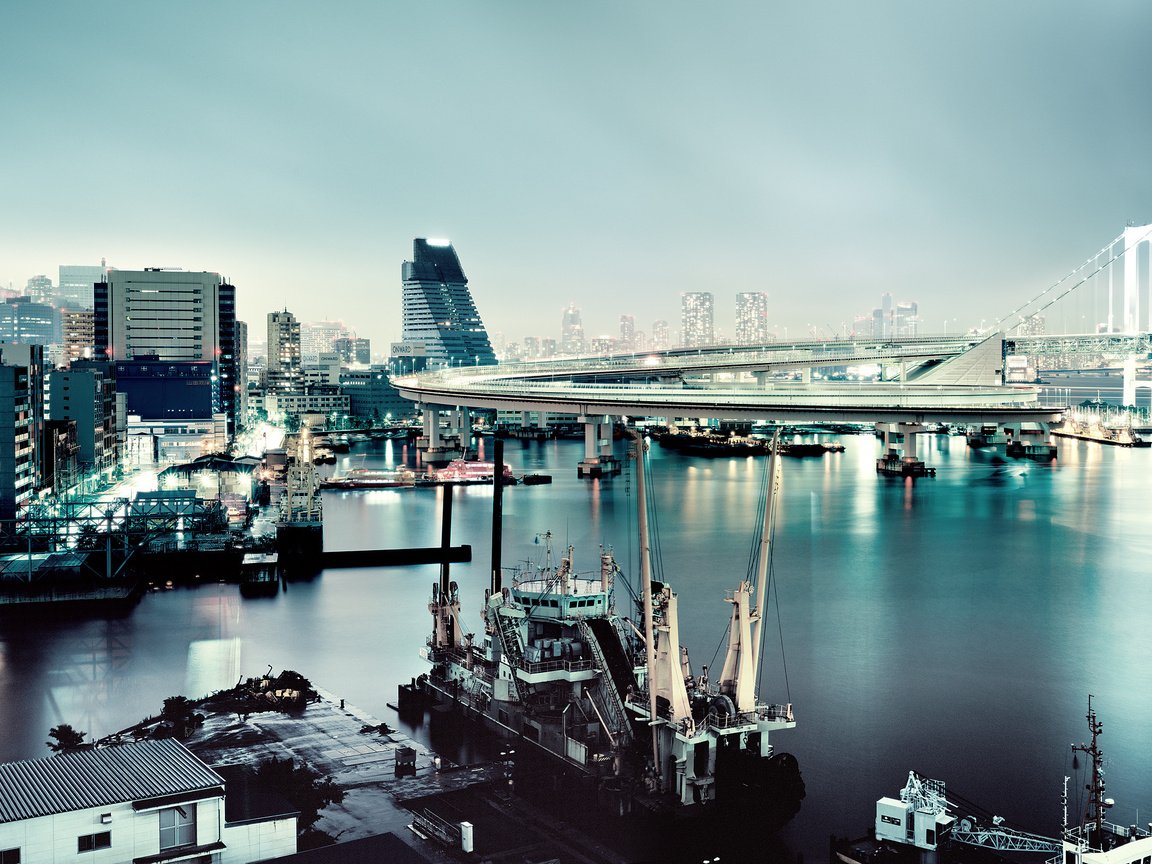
942, 380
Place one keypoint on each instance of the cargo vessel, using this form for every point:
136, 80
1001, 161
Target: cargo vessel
611, 706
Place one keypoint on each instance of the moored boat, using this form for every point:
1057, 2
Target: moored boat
614, 707
370, 478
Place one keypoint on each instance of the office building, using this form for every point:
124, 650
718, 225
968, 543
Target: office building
572, 331
319, 337
22, 400
627, 340
752, 318
696, 324
169, 315
86, 393
373, 399
75, 285
241, 386
29, 322
39, 289
284, 370
438, 311
353, 351
661, 337
78, 335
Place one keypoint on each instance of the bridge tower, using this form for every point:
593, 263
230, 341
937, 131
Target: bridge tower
1137, 243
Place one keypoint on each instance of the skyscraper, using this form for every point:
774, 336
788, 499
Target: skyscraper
75, 284
696, 328
627, 333
572, 331
660, 337
285, 373
170, 315
751, 318
438, 311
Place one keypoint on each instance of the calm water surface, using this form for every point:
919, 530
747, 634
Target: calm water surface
952, 625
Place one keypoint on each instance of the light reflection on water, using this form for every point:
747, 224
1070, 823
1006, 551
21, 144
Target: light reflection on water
954, 624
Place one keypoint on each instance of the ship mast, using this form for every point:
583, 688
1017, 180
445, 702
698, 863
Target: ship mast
646, 590
1096, 801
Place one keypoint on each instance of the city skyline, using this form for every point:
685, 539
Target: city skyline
927, 153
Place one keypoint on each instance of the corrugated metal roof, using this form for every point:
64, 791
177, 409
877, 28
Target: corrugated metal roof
95, 778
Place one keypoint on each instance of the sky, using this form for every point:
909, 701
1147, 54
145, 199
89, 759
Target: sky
609, 154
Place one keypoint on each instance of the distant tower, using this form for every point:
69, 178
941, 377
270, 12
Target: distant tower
905, 319
75, 284
319, 337
627, 333
39, 290
285, 374
438, 310
572, 331
751, 318
696, 327
660, 337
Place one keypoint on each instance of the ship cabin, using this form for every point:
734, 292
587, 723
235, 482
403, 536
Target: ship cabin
555, 646
584, 599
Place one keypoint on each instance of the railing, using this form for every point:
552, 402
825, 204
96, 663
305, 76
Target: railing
610, 697
554, 665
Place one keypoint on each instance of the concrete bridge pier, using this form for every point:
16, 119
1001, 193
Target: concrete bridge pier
434, 446
899, 457
1131, 382
598, 460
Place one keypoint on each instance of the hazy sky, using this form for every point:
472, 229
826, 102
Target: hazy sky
963, 155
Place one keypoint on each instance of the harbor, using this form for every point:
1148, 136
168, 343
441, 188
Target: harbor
875, 572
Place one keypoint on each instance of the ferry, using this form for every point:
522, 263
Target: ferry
371, 478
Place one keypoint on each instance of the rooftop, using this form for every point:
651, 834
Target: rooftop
140, 773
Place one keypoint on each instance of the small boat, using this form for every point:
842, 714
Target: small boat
535, 479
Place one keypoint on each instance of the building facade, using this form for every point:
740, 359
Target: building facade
75, 285
285, 364
752, 318
697, 328
169, 315
438, 310
86, 394
17, 440
572, 339
152, 801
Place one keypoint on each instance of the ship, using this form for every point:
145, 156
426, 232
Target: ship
464, 472
371, 478
610, 707
926, 823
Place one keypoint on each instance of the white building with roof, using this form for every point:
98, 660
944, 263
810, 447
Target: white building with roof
145, 803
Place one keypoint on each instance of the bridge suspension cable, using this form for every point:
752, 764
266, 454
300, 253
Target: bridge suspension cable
1111, 243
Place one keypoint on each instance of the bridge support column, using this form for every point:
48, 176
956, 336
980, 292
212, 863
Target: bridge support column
525, 419
598, 459
806, 375
437, 449
899, 437
1131, 382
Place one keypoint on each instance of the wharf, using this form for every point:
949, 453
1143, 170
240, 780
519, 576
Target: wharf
344, 744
